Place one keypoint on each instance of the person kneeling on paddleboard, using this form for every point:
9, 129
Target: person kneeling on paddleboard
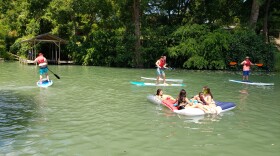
43, 64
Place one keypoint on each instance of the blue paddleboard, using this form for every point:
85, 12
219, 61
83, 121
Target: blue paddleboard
45, 83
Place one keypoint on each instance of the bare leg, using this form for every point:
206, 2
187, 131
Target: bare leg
47, 75
200, 106
158, 76
157, 81
163, 77
41, 77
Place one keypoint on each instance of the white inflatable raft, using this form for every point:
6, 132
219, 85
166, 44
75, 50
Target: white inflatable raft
221, 106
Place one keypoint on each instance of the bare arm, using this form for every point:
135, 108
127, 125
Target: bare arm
189, 102
164, 66
208, 100
197, 98
157, 64
35, 61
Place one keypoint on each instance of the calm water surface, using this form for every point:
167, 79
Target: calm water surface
95, 111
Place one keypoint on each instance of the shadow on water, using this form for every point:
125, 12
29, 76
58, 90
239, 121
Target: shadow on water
16, 114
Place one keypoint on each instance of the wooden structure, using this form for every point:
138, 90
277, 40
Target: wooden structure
54, 51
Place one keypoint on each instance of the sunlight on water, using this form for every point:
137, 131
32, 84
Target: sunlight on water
96, 111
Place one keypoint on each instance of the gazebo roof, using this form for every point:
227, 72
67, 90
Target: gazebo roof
47, 37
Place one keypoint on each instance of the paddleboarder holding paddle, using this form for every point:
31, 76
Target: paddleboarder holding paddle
161, 65
43, 64
246, 68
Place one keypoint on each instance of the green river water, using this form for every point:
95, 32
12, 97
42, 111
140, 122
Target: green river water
96, 111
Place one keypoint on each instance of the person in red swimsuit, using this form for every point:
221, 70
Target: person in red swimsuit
161, 65
43, 64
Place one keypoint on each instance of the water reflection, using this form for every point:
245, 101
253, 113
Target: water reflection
243, 96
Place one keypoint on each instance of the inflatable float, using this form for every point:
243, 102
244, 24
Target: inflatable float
221, 107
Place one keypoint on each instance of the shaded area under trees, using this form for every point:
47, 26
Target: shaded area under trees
193, 34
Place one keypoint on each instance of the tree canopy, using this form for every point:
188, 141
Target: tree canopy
194, 34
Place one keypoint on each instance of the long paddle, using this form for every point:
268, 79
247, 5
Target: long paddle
54, 74
234, 63
169, 68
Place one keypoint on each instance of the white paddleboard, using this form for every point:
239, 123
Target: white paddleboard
253, 83
170, 80
154, 84
45, 83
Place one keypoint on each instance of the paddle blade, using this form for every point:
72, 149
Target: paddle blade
259, 64
232, 63
57, 76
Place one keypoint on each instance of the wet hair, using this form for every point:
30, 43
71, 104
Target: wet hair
201, 97
182, 97
158, 91
208, 91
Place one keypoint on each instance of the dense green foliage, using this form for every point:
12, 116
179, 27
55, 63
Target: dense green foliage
193, 34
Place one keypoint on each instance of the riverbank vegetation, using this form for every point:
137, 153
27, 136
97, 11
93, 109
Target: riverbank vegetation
194, 34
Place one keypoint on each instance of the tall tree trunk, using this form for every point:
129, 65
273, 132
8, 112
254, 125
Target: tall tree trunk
136, 19
254, 13
265, 29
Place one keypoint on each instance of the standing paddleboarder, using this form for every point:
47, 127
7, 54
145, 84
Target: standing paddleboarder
161, 64
246, 68
43, 64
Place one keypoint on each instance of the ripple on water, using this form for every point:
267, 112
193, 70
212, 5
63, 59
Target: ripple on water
95, 111
15, 116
